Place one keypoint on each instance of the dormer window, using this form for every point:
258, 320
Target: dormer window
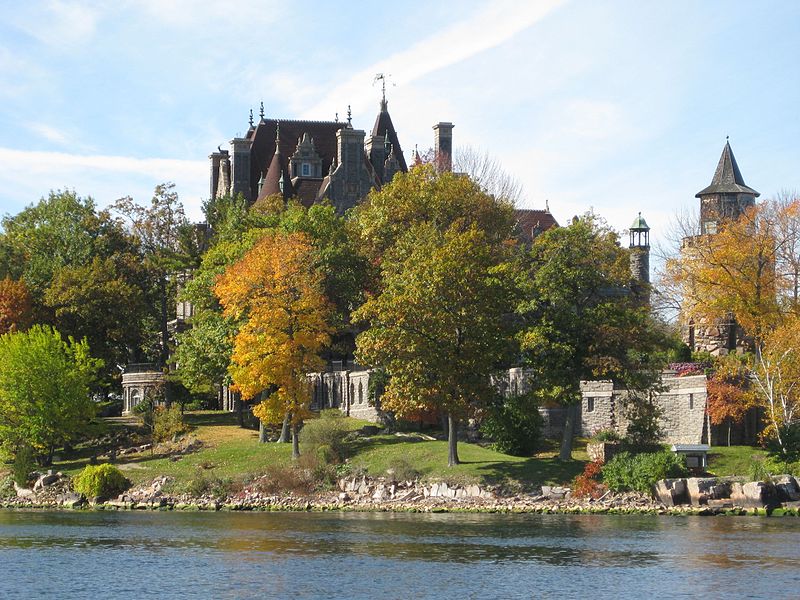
306, 170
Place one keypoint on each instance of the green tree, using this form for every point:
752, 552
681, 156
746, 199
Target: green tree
581, 319
438, 326
169, 245
44, 390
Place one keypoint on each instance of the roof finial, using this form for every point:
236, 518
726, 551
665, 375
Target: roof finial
382, 77
277, 134
251, 117
727, 137
261, 111
336, 118
547, 204
349, 117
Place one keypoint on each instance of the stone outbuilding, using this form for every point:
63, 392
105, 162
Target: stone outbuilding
139, 380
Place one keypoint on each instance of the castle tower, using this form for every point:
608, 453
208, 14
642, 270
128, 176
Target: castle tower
640, 256
727, 197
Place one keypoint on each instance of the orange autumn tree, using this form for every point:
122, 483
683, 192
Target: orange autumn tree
15, 305
276, 295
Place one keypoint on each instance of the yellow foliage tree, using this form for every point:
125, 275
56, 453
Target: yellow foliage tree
276, 294
731, 273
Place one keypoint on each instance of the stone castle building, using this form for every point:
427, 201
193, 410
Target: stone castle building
725, 199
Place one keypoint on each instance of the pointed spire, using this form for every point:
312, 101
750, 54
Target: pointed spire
727, 178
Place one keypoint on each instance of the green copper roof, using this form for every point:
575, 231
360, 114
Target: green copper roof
640, 224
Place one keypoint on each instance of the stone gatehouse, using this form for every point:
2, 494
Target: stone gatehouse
682, 404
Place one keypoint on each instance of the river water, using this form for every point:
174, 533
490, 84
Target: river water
99, 555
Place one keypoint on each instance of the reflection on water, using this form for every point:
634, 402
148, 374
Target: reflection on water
241, 555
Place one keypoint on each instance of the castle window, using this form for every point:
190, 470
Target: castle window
590, 405
691, 401
360, 393
306, 169
710, 227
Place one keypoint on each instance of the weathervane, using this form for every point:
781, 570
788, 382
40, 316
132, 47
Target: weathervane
383, 77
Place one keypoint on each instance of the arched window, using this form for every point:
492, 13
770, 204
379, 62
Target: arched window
360, 393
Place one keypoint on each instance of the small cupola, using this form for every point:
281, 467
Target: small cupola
640, 233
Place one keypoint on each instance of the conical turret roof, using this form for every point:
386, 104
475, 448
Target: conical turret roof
727, 178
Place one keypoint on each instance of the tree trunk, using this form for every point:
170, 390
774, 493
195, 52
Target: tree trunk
295, 443
239, 406
569, 432
452, 441
730, 426
285, 429
262, 433
164, 355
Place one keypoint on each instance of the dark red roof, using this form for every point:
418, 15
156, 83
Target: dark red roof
531, 222
263, 149
306, 189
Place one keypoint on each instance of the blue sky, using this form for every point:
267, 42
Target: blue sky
619, 106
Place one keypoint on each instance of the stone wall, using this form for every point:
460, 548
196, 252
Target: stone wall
682, 405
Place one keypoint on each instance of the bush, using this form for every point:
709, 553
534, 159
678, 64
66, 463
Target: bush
513, 425
211, 485
104, 481
402, 470
167, 423
606, 435
23, 465
587, 484
7, 488
639, 472
327, 436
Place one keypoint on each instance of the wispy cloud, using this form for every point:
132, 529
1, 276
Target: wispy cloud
485, 29
106, 178
58, 22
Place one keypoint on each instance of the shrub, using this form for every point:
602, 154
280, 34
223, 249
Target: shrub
167, 423
23, 465
280, 479
103, 481
587, 484
513, 424
327, 436
202, 484
606, 435
7, 487
639, 472
402, 470
643, 413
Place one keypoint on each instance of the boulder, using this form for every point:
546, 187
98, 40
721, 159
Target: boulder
787, 488
671, 492
72, 500
755, 494
700, 489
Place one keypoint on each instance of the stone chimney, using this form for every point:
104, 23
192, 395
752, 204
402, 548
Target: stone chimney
443, 146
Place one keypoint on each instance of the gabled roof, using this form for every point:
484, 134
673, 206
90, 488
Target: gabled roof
531, 222
727, 178
263, 143
383, 124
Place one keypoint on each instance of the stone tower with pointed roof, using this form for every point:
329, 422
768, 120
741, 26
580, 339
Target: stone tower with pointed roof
727, 196
725, 199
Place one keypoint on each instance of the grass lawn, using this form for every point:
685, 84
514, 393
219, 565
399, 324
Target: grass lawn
232, 452
733, 460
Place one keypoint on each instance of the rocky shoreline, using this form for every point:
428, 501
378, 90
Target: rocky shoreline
377, 495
